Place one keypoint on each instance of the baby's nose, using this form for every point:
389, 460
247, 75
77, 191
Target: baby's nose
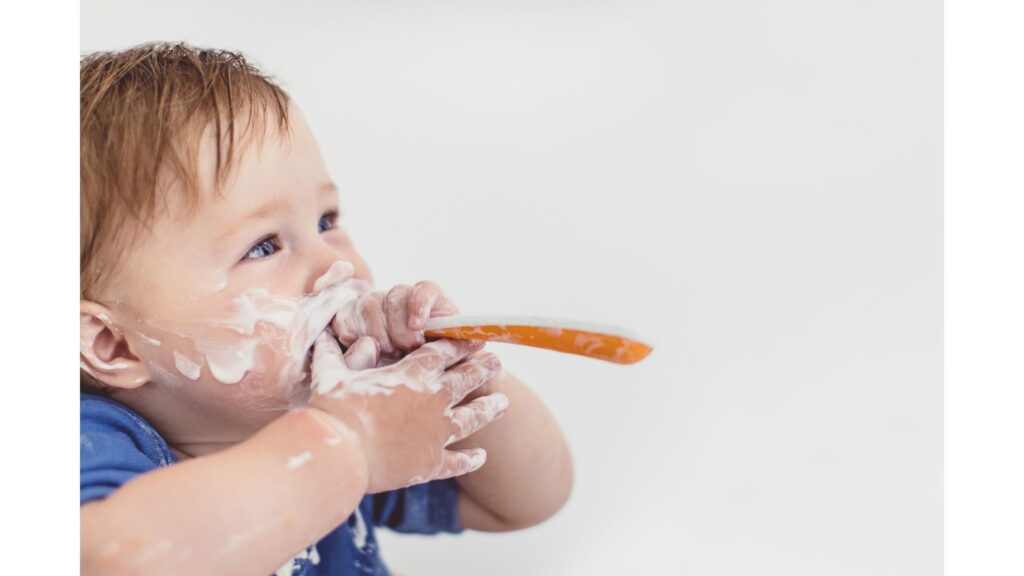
335, 272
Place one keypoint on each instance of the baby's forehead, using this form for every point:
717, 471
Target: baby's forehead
272, 182
222, 156
214, 169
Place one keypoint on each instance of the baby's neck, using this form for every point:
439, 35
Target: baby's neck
193, 450
188, 433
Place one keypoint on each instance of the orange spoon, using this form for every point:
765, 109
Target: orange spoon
592, 340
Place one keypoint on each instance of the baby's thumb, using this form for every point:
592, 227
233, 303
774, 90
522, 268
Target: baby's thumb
329, 366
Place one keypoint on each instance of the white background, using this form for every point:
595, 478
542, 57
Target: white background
755, 185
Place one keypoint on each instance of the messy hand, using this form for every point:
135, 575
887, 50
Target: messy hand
404, 415
394, 319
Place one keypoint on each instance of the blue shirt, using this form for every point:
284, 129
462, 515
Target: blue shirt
117, 444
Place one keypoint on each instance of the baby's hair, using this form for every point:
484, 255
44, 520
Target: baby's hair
144, 111
143, 114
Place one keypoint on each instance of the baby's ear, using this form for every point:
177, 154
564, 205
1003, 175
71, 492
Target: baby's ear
106, 354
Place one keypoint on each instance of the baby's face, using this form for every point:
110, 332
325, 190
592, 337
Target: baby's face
223, 304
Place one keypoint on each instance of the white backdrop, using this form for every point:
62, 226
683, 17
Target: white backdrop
756, 185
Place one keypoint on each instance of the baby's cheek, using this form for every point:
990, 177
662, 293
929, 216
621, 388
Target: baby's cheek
172, 358
164, 372
260, 393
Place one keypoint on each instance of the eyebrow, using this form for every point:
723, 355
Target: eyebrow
328, 188
271, 207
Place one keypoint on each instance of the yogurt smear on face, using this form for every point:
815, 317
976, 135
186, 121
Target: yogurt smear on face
269, 335
262, 318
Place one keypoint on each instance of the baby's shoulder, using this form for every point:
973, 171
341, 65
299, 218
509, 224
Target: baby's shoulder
99, 414
116, 443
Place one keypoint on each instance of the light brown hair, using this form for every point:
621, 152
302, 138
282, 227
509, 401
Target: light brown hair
143, 113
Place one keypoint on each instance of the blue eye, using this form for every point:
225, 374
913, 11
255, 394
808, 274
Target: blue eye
328, 221
262, 249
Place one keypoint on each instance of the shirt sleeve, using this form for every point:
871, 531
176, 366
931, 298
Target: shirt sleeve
116, 445
426, 508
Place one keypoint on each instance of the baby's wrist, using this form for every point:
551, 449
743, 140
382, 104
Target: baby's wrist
336, 429
336, 433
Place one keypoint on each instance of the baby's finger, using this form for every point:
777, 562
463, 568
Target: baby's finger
370, 308
458, 462
364, 353
396, 314
470, 375
427, 301
434, 357
347, 325
467, 419
328, 367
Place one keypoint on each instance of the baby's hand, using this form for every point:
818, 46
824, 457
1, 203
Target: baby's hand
404, 415
395, 319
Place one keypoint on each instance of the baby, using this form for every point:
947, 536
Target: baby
249, 403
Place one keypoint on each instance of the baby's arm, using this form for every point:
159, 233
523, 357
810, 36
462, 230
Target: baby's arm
529, 473
244, 510
247, 509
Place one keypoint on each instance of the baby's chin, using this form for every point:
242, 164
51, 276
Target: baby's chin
300, 388
295, 382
